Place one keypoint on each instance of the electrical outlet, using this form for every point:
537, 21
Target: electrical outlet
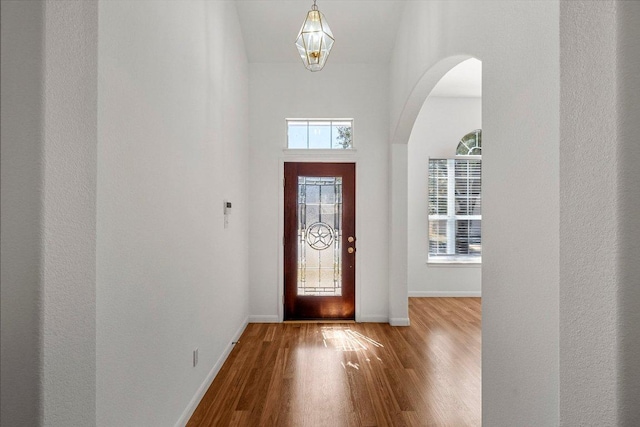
195, 357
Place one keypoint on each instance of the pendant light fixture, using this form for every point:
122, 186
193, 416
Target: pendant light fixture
315, 40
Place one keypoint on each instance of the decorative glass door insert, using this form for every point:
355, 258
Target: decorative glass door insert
319, 236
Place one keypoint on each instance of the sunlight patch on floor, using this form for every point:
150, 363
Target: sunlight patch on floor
347, 340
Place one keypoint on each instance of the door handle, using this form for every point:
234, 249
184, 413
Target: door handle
351, 239
351, 250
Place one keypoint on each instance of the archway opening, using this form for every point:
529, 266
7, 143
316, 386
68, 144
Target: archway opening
444, 217
444, 210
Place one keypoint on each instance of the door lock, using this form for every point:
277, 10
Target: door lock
350, 239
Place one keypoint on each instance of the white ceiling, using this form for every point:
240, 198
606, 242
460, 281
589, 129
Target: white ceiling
365, 31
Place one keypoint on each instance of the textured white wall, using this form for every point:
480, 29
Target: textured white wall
588, 222
440, 125
398, 231
600, 201
21, 209
280, 91
173, 144
69, 213
49, 138
518, 43
629, 198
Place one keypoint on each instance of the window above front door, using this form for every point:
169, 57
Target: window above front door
320, 134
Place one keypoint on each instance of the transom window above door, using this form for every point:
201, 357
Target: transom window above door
319, 134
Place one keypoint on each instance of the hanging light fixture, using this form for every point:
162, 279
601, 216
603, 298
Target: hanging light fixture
315, 40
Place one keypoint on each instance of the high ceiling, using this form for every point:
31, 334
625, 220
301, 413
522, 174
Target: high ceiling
365, 31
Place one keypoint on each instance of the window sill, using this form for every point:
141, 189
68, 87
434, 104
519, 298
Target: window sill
319, 151
455, 264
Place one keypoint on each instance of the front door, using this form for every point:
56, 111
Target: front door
319, 241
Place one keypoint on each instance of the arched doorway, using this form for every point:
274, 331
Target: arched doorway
444, 188
436, 250
398, 242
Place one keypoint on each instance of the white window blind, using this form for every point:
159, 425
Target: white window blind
455, 210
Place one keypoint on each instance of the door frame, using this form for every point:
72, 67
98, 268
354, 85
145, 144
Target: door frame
315, 156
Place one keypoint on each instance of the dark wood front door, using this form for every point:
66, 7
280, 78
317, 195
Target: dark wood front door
319, 241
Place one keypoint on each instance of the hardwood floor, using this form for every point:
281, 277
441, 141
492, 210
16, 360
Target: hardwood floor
355, 374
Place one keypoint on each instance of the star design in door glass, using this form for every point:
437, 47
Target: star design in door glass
319, 236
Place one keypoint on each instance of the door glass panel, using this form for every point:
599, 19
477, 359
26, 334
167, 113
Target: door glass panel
319, 236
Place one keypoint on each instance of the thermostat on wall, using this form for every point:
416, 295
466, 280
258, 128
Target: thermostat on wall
227, 210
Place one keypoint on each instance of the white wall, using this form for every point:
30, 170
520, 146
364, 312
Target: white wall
600, 201
588, 292
49, 98
398, 228
69, 213
279, 91
173, 144
518, 43
628, 39
440, 125
21, 210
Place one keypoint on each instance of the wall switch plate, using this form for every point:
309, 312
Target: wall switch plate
195, 357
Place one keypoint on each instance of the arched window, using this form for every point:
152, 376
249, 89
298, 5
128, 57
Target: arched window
470, 144
455, 204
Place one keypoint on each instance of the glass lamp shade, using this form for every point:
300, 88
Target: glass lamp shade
315, 40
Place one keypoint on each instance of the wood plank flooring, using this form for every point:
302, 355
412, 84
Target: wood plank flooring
354, 374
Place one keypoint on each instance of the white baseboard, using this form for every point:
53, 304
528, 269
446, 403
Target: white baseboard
264, 319
373, 319
443, 294
399, 321
193, 404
